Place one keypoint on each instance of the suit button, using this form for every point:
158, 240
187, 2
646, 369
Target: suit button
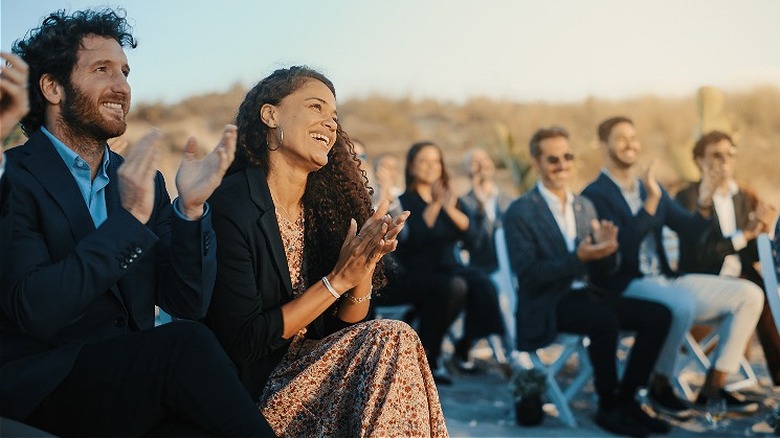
120, 322
138, 250
123, 265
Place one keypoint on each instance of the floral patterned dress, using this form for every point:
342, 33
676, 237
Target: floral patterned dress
371, 379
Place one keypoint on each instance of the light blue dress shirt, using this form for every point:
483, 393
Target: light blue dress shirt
93, 191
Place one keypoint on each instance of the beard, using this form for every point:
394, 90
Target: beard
83, 117
617, 160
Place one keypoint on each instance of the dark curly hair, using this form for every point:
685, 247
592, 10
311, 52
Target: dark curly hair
52, 49
411, 184
334, 194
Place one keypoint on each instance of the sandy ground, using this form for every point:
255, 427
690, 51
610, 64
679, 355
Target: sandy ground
480, 405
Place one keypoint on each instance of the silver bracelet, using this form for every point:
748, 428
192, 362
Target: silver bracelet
354, 300
330, 289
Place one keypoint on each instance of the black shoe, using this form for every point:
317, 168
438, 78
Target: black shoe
618, 421
666, 402
735, 402
651, 422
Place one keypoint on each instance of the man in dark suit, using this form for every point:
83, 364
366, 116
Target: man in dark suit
641, 208
93, 244
484, 204
555, 244
728, 247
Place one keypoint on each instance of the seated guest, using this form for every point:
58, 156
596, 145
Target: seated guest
640, 208
728, 247
295, 276
92, 243
555, 245
385, 183
484, 204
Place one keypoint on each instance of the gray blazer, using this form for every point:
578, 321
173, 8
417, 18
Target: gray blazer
543, 264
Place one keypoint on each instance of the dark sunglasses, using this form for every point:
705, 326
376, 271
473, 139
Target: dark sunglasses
553, 160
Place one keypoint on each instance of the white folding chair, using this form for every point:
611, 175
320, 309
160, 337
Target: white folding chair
559, 396
769, 272
695, 360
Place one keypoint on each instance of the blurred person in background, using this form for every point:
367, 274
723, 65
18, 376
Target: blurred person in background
640, 207
387, 172
296, 275
556, 245
484, 204
430, 276
728, 247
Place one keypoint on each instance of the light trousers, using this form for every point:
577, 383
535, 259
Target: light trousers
732, 303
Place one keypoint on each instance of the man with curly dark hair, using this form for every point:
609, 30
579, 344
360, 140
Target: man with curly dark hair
95, 244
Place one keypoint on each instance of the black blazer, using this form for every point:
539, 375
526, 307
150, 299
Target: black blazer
253, 280
543, 264
712, 248
481, 242
610, 205
65, 283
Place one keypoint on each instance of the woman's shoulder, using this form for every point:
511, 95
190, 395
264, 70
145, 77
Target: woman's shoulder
231, 194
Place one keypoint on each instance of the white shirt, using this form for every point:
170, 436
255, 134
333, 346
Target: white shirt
563, 212
727, 219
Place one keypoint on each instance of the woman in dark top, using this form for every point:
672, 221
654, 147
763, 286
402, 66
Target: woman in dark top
295, 275
430, 276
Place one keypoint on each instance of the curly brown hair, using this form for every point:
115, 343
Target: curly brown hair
334, 194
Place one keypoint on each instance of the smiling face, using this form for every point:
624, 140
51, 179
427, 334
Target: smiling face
622, 145
719, 158
309, 121
554, 163
97, 99
427, 165
481, 166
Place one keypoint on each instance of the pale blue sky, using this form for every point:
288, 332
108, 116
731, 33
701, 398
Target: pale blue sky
555, 50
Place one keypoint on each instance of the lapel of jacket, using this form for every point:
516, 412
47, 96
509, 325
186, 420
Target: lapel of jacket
260, 194
46, 165
741, 209
547, 223
617, 195
581, 219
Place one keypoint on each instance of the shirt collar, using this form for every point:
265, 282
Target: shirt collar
70, 157
550, 197
733, 189
631, 188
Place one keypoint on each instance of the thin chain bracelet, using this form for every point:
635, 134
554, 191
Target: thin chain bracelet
354, 300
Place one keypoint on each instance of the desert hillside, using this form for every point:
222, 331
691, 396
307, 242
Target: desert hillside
667, 127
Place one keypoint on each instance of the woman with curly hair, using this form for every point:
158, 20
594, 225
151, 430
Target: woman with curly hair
295, 276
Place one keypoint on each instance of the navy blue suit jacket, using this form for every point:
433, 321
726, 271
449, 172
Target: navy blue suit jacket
543, 264
610, 205
66, 283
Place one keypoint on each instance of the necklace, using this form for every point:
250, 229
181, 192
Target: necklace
284, 210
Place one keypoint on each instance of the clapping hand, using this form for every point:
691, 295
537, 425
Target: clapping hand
136, 176
14, 100
649, 181
601, 243
197, 179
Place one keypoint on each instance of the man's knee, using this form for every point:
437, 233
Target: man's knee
752, 296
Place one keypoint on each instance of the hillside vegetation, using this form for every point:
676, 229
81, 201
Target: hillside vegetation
667, 127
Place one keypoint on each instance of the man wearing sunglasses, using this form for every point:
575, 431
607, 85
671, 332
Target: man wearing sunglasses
640, 207
729, 245
556, 245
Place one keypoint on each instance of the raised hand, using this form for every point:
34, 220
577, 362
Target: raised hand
649, 181
711, 178
601, 243
136, 176
197, 179
14, 99
362, 250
